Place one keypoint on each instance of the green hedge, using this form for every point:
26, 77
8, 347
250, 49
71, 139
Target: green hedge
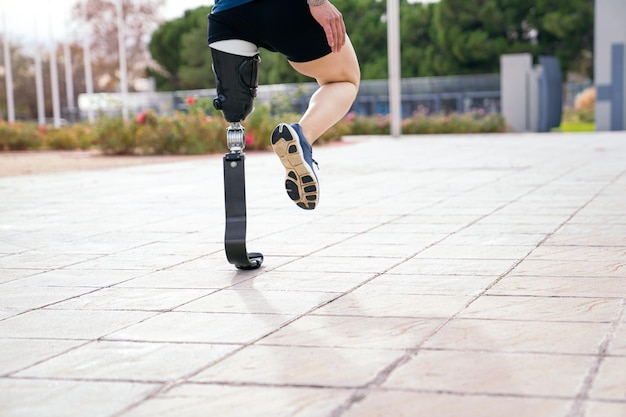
198, 133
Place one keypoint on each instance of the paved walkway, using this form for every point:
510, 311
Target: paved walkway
440, 276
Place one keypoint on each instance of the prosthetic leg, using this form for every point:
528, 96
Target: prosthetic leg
237, 81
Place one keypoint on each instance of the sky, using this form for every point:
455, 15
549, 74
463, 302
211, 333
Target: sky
29, 20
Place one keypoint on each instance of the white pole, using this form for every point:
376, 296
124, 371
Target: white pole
41, 108
8, 72
69, 80
54, 77
393, 57
121, 39
54, 84
87, 64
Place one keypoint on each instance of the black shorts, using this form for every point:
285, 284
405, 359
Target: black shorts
284, 26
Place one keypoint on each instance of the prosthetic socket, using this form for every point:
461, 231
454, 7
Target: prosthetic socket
237, 78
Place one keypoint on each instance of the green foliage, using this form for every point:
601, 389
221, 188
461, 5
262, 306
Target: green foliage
151, 135
451, 37
198, 133
18, 136
79, 136
26, 136
566, 29
578, 120
472, 34
179, 46
422, 123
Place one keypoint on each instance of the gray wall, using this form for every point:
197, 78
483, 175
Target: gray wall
515, 70
610, 64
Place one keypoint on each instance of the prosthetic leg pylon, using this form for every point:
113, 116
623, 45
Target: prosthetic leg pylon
237, 80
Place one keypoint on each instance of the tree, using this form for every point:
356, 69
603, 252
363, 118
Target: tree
447, 38
420, 54
180, 48
166, 47
472, 34
140, 20
566, 30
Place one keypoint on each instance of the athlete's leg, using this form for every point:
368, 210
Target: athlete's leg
338, 75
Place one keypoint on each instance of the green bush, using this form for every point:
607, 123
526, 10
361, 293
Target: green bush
475, 122
114, 137
73, 137
19, 136
203, 131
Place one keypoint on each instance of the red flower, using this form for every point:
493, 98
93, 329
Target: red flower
141, 117
42, 128
190, 100
249, 139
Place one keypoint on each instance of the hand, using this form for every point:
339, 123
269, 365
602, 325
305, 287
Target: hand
331, 21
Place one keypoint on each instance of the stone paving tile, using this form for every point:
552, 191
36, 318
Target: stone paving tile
253, 301
572, 268
604, 409
129, 361
543, 309
183, 327
454, 285
409, 404
132, 299
16, 300
618, 344
182, 278
445, 251
198, 400
421, 266
339, 264
300, 366
503, 238
18, 354
610, 383
520, 336
348, 331
367, 304
78, 278
54, 398
68, 324
562, 286
579, 253
279, 280
590, 235
12, 274
350, 249
129, 261
511, 374
40, 260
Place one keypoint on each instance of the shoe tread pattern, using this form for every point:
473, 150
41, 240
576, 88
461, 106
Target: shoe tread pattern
300, 182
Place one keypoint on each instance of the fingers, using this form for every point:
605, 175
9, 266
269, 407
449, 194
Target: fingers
332, 22
339, 35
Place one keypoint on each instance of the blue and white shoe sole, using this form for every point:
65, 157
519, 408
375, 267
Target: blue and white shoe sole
300, 180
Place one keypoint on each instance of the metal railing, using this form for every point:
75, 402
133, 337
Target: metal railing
458, 94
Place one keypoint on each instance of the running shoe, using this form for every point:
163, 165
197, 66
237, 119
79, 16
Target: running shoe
296, 155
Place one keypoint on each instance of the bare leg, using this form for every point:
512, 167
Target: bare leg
338, 75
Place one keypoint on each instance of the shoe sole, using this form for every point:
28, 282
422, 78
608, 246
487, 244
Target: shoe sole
300, 181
